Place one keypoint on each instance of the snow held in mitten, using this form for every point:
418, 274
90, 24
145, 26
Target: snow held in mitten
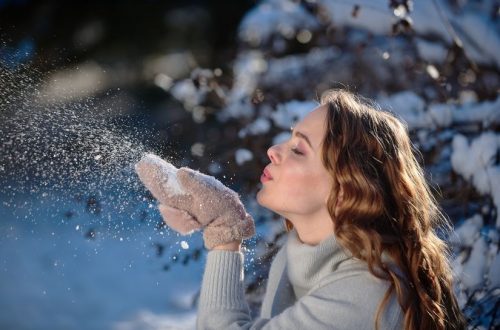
167, 169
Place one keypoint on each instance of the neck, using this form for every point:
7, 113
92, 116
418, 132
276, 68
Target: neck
312, 229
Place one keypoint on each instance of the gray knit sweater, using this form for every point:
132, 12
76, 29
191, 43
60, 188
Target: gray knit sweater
309, 287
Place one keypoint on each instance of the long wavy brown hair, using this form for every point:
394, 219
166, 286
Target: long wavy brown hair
388, 208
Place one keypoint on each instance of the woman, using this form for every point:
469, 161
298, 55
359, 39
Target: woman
361, 251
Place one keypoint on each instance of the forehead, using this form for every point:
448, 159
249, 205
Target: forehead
313, 125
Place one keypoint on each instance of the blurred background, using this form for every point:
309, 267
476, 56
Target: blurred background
87, 87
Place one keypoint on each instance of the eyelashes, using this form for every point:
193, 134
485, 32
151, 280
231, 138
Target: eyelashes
296, 151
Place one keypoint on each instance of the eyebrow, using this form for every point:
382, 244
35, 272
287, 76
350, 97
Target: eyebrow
303, 136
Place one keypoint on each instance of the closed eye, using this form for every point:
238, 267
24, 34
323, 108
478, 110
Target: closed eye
296, 151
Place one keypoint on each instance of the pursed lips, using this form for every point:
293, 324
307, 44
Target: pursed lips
266, 176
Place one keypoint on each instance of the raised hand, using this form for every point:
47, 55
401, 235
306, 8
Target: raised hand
190, 200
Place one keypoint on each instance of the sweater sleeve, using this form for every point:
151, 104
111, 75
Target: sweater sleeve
222, 302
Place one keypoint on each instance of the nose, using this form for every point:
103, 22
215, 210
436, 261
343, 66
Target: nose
273, 154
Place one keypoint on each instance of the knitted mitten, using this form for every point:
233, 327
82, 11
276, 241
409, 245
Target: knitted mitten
190, 200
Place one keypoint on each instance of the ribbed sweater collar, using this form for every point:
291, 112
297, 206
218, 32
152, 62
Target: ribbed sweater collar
308, 264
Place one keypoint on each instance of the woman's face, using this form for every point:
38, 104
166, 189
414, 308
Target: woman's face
296, 182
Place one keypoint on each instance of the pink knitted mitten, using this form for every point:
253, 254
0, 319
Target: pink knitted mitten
190, 200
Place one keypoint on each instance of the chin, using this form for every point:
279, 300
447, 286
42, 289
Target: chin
262, 202
260, 199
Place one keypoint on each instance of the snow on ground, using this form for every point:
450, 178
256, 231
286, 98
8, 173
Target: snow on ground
55, 278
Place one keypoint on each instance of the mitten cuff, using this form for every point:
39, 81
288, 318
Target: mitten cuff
215, 235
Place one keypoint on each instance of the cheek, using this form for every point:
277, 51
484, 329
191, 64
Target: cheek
302, 182
296, 190
310, 191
